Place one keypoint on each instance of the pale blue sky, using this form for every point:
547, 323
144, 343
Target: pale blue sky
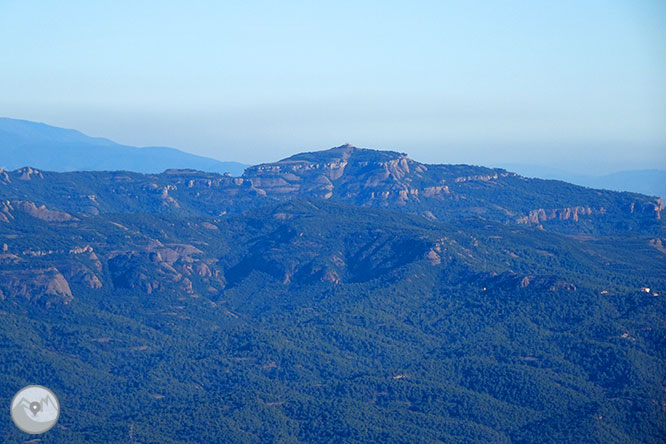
497, 81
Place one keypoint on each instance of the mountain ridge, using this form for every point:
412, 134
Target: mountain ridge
38, 145
362, 177
651, 182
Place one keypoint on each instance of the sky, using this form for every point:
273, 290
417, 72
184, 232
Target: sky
579, 85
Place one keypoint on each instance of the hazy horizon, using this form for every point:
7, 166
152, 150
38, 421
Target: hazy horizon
566, 85
526, 168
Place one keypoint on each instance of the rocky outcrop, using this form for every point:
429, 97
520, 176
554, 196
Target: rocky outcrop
28, 173
512, 281
477, 177
435, 191
659, 244
637, 212
158, 267
79, 274
650, 209
6, 211
45, 286
571, 213
31, 209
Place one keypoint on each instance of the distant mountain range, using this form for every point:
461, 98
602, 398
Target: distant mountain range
30, 144
24, 143
651, 182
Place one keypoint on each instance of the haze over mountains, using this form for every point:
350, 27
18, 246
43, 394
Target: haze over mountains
24, 143
31, 144
651, 182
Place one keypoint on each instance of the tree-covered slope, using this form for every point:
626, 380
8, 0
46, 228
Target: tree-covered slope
312, 321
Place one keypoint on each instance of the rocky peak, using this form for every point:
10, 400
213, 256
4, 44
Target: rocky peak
344, 154
4, 177
345, 170
28, 173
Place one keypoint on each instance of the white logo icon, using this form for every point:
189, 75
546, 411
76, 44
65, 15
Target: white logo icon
35, 409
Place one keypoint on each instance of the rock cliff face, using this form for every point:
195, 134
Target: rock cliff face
541, 215
28, 173
361, 176
45, 286
9, 208
392, 180
157, 266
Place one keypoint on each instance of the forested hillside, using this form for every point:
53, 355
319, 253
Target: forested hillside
311, 321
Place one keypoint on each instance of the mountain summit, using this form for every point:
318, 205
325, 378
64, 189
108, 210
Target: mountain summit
388, 179
369, 177
344, 171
